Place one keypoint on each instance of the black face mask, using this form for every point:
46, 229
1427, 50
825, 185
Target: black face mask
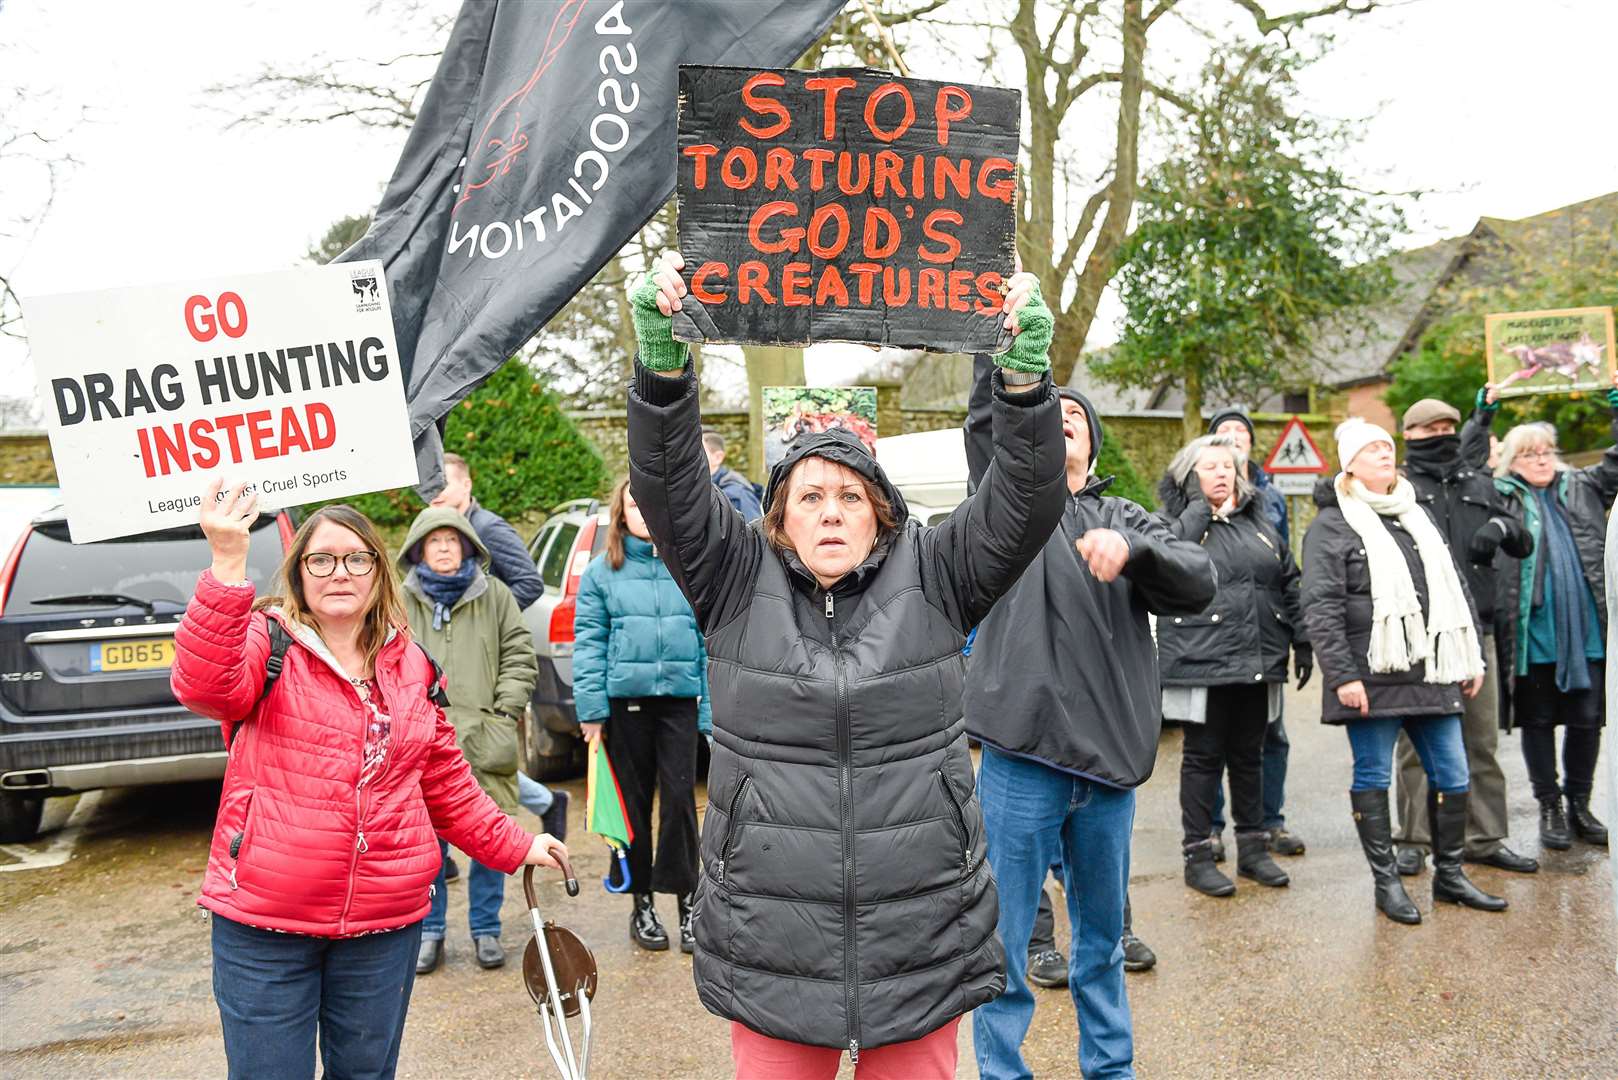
1436, 451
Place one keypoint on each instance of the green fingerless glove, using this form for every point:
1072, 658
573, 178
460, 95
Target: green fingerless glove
654, 330
1612, 397
1031, 348
1482, 403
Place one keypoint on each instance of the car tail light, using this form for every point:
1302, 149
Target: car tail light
9, 571
562, 622
283, 521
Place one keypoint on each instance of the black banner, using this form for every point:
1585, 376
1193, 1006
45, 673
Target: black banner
845, 205
541, 147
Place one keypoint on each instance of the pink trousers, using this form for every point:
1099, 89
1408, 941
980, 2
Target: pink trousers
759, 1057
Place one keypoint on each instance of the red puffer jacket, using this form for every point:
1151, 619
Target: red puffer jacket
317, 853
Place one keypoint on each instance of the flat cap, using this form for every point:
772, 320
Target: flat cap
1428, 410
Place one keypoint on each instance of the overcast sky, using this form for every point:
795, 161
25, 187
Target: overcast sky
1498, 107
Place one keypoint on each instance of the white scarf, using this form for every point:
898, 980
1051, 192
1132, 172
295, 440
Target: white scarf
1448, 641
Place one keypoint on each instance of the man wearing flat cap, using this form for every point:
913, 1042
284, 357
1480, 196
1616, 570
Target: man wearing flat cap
1452, 482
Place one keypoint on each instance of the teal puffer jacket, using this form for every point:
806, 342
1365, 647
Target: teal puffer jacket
635, 636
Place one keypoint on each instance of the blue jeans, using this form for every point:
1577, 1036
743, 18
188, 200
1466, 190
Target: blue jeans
276, 991
1437, 740
1036, 815
485, 892
1276, 748
535, 797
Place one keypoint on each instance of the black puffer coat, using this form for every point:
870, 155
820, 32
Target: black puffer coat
1247, 633
1337, 611
844, 898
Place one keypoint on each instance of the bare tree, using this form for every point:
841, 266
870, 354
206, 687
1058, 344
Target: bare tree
33, 163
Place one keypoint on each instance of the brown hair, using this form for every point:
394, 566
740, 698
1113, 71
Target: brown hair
775, 518
617, 524
387, 610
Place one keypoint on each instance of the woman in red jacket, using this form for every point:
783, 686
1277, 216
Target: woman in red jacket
341, 774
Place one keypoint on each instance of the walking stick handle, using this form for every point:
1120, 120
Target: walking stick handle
571, 882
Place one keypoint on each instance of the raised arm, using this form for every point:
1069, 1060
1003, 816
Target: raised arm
1605, 471
1477, 429
977, 553
709, 550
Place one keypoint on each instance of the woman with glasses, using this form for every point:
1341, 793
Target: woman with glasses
342, 771
467, 619
1553, 622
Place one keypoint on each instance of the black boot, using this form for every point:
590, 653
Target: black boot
1201, 873
688, 941
1218, 841
1376, 837
1253, 860
1138, 956
1409, 860
1553, 830
645, 928
1584, 824
1447, 813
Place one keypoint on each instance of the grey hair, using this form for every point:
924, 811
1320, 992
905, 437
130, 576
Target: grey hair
1185, 462
1525, 437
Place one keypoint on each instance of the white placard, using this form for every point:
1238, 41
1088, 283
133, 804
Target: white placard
288, 381
1295, 483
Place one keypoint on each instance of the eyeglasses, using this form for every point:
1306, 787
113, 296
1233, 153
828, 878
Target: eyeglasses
1543, 454
324, 563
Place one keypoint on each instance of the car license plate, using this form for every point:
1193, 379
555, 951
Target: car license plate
145, 654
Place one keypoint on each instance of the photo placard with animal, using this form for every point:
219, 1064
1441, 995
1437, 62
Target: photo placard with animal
1550, 352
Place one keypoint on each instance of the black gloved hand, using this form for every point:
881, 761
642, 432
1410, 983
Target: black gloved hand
1303, 662
1481, 548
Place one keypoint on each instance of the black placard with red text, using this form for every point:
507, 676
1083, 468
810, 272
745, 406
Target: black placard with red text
845, 205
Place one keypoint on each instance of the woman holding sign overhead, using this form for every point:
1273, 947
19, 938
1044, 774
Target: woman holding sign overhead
342, 771
844, 901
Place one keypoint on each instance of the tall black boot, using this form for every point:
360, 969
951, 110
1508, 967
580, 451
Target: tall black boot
1447, 813
1584, 824
1253, 860
1376, 837
688, 940
645, 928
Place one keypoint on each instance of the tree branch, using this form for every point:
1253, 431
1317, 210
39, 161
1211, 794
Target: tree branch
1267, 23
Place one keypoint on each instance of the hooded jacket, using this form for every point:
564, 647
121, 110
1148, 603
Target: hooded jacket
635, 636
1337, 611
1063, 669
844, 898
298, 845
487, 653
1246, 634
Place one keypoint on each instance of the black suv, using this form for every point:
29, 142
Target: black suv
86, 641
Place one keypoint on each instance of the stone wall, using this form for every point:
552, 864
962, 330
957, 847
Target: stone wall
608, 429
26, 459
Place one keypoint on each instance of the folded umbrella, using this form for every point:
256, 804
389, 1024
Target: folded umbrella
606, 816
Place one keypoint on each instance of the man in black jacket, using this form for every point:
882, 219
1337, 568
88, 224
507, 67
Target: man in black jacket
1447, 470
508, 555
1062, 690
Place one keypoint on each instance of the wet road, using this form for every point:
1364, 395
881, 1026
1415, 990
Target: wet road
104, 958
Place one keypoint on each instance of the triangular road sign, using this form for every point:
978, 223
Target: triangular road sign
1295, 452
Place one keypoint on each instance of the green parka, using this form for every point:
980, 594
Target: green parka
487, 653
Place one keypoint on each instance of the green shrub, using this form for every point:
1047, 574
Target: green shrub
1126, 482
524, 452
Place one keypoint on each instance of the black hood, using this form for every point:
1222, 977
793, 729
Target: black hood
1326, 491
1090, 414
844, 448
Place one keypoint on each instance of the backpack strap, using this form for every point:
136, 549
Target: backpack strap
280, 642
435, 689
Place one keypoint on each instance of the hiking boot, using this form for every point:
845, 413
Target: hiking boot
1253, 860
489, 952
554, 820
688, 940
1410, 860
1201, 873
645, 928
1048, 969
1283, 842
1376, 838
1585, 826
1450, 883
1138, 956
1553, 830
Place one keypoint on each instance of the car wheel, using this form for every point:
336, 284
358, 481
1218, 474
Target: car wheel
549, 756
19, 818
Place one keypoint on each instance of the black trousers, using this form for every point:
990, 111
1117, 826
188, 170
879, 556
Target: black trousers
1540, 709
652, 745
1231, 737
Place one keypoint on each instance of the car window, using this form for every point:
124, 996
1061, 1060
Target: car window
553, 567
541, 538
161, 567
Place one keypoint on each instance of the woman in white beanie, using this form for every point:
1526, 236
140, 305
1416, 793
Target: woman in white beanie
1396, 639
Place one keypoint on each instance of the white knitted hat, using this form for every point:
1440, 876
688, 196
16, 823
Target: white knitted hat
1354, 435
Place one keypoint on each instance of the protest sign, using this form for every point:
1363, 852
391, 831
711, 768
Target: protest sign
791, 411
1549, 352
287, 381
845, 205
